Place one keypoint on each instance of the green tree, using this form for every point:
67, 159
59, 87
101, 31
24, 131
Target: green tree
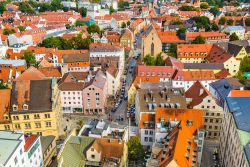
178, 22
159, 61
128, 23
247, 21
83, 11
111, 9
214, 10
56, 5
21, 28
173, 50
79, 23
149, 60
29, 58
94, 28
230, 22
233, 37
211, 2
123, 25
222, 21
181, 31
68, 26
199, 40
135, 149
3, 86
202, 22
204, 5
54, 42
245, 65
187, 8
8, 31
122, 5
214, 27
25, 7
2, 8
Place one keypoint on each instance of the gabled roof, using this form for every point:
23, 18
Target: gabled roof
4, 103
109, 147
197, 92
31, 73
234, 49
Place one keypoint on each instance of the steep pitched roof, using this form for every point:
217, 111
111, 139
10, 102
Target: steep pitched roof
109, 148
4, 102
197, 92
31, 73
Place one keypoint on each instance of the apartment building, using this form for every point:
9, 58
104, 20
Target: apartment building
48, 149
179, 138
185, 79
235, 140
83, 92
75, 62
198, 97
210, 37
18, 149
5, 119
98, 50
35, 104
146, 103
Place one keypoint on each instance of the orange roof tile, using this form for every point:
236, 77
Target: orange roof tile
169, 36
198, 75
31, 73
207, 35
4, 103
239, 93
146, 118
185, 132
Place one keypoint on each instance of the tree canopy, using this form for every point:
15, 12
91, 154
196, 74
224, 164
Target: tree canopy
204, 5
247, 21
56, 5
8, 31
202, 22
222, 21
63, 44
2, 8
214, 27
21, 28
230, 22
78, 23
233, 37
135, 149
154, 61
25, 7
214, 10
181, 31
187, 8
83, 11
199, 40
111, 10
94, 28
3, 86
173, 50
122, 5
245, 64
29, 58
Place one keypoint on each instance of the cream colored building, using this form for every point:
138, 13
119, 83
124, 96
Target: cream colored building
35, 107
151, 43
213, 115
232, 65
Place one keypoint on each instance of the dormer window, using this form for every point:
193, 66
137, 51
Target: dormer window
14, 107
25, 107
6, 117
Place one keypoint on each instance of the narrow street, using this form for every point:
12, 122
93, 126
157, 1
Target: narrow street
207, 155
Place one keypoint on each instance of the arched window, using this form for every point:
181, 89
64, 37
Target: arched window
152, 49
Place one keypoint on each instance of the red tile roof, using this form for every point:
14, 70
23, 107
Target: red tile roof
207, 35
31, 73
197, 92
169, 37
198, 75
161, 71
29, 141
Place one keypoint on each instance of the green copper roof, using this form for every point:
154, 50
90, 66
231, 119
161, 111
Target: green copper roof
73, 152
244, 137
247, 75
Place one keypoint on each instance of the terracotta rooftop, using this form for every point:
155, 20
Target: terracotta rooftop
239, 93
29, 141
31, 73
4, 103
198, 75
169, 37
197, 92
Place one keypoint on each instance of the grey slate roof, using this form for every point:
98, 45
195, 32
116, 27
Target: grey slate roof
37, 96
70, 58
46, 141
203, 66
239, 107
224, 86
234, 49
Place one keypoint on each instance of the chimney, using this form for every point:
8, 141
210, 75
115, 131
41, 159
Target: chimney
201, 91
